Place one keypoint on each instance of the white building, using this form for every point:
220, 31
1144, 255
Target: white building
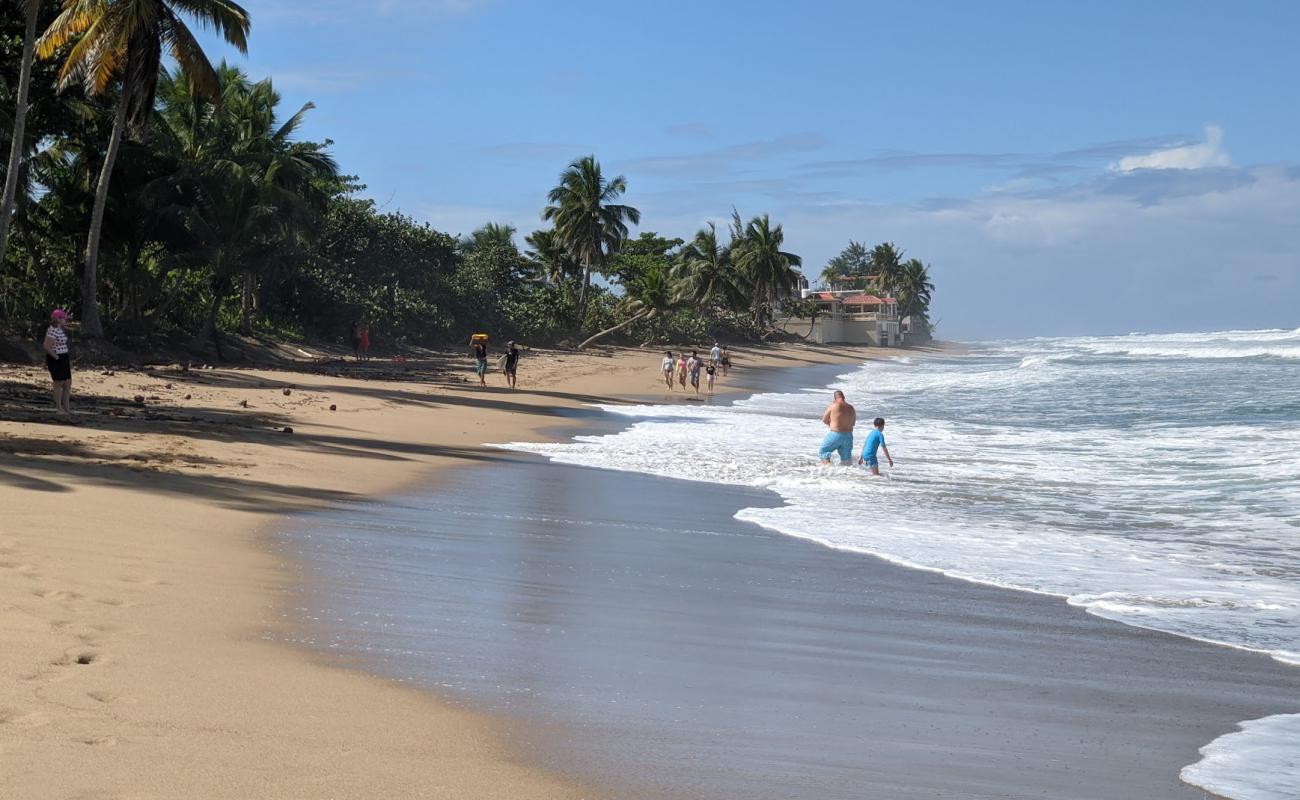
849, 316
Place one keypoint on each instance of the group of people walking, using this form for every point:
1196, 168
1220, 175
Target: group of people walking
681, 367
508, 361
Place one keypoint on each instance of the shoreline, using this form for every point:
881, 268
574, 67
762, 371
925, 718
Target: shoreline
138, 621
1136, 687
972, 690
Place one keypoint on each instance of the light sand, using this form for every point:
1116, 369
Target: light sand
139, 607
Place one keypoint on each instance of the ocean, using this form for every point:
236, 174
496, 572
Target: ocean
677, 632
1152, 479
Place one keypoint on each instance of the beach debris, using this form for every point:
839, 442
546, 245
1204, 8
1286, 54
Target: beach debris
108, 372
167, 386
333, 407
188, 396
138, 399
287, 391
243, 403
286, 429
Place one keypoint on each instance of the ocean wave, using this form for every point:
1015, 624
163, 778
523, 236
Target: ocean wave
1260, 761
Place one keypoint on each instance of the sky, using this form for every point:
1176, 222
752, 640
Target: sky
1065, 168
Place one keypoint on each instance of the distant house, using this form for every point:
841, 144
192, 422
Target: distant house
849, 316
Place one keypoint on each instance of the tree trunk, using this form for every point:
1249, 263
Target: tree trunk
617, 327
246, 303
582, 293
91, 327
18, 148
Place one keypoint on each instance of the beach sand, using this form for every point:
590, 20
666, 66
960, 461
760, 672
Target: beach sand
140, 607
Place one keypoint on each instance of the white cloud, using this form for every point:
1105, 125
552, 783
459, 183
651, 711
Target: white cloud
1209, 153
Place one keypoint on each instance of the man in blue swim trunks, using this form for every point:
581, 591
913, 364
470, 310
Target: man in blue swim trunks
875, 441
840, 417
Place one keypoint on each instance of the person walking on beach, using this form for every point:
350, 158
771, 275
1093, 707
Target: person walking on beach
726, 361
840, 417
875, 441
666, 367
363, 336
681, 370
480, 348
711, 372
694, 366
59, 362
511, 367
715, 355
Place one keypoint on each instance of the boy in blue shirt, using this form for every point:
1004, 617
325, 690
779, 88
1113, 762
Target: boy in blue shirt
875, 441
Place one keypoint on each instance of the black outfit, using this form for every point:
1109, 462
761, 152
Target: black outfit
512, 360
60, 368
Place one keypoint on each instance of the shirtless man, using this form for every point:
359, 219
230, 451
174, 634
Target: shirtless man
840, 417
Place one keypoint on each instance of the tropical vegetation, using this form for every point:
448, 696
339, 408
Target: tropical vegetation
171, 202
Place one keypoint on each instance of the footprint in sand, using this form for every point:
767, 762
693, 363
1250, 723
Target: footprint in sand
57, 594
109, 697
98, 741
26, 570
23, 719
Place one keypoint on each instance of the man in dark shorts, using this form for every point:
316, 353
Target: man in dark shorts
511, 364
480, 348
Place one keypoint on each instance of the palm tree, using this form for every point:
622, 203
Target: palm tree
769, 271
650, 294
887, 264
18, 147
706, 274
120, 39
914, 288
550, 257
853, 261
587, 221
491, 233
253, 184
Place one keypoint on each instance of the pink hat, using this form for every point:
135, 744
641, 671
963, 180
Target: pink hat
59, 314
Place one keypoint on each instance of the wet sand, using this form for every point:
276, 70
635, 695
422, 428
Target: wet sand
647, 641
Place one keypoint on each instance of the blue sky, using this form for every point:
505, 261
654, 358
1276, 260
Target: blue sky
1065, 168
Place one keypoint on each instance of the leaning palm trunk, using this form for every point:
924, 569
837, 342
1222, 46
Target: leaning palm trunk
90, 323
620, 326
18, 147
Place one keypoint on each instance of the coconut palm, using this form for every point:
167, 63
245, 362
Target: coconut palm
650, 294
18, 147
769, 271
491, 233
277, 186
590, 225
706, 274
550, 258
887, 264
122, 41
914, 288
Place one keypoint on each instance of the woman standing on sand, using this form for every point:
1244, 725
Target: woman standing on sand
681, 370
364, 335
58, 362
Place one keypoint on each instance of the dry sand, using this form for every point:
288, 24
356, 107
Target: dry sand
138, 607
